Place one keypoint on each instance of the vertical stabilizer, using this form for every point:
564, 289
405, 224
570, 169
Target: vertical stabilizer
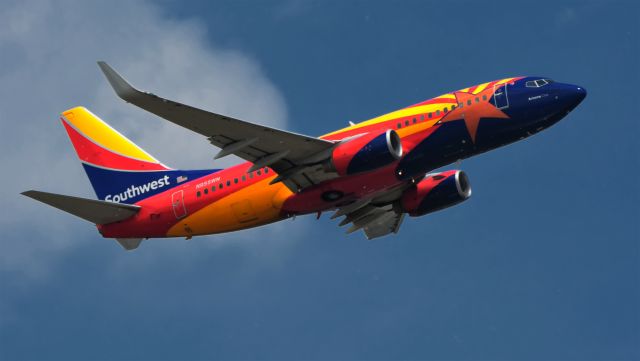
119, 170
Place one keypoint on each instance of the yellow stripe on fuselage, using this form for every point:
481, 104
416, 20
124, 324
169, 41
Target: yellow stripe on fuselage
94, 128
503, 81
402, 113
483, 86
418, 110
416, 128
480, 88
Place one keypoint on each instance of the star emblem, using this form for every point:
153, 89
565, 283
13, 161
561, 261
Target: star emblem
472, 114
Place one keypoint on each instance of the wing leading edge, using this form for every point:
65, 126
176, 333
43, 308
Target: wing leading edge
295, 157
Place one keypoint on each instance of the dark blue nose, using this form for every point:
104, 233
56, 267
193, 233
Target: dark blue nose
569, 95
580, 94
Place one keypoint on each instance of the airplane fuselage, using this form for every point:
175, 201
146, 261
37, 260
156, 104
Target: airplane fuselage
433, 133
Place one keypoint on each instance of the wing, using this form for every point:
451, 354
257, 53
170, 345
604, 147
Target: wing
295, 157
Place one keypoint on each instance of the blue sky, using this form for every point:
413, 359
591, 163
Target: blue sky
541, 263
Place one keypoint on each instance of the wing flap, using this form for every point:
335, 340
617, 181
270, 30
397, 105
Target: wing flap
389, 223
374, 220
377, 216
94, 211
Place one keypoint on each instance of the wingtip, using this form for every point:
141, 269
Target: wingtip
122, 88
105, 67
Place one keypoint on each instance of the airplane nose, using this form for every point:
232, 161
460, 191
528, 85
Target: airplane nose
569, 95
580, 94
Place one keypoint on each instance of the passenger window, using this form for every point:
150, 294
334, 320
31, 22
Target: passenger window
477, 100
258, 172
235, 180
213, 188
228, 183
446, 110
421, 116
468, 102
406, 123
414, 120
251, 175
453, 107
198, 194
460, 105
244, 178
484, 97
399, 125
437, 113
266, 170
430, 115
206, 191
220, 185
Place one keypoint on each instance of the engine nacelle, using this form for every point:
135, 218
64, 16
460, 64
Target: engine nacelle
436, 192
365, 153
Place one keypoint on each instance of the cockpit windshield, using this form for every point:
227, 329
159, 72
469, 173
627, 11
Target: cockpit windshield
538, 83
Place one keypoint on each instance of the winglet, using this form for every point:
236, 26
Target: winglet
124, 90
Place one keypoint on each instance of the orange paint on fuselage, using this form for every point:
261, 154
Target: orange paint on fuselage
257, 203
250, 206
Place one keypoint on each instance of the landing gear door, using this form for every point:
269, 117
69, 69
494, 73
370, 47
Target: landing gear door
177, 201
501, 96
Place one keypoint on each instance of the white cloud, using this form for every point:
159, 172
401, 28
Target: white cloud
49, 50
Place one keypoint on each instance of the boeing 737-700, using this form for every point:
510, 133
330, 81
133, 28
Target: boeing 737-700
371, 173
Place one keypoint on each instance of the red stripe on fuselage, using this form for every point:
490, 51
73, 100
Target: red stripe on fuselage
156, 215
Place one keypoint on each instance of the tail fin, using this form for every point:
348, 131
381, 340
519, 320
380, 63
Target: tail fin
100, 145
119, 170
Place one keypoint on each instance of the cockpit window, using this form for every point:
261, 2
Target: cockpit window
538, 83
541, 82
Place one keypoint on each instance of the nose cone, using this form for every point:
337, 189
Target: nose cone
569, 95
580, 94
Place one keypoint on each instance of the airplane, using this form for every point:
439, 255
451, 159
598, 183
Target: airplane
372, 173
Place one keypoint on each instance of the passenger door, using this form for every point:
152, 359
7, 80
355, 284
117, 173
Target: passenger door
501, 96
177, 202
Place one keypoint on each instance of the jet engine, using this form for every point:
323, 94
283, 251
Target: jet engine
435, 192
365, 153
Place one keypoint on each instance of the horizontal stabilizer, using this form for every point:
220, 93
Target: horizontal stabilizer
94, 211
